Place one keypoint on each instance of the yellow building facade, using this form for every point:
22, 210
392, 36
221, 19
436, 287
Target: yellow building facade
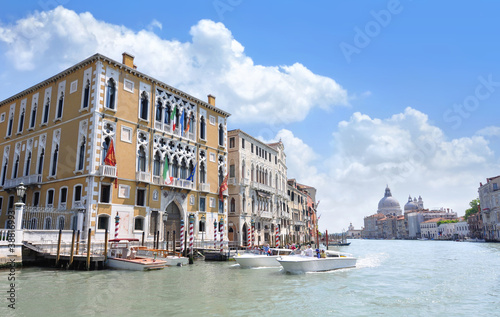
55, 137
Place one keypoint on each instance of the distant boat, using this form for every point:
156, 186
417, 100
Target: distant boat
338, 243
475, 240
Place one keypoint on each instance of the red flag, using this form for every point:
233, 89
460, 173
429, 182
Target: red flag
110, 156
223, 187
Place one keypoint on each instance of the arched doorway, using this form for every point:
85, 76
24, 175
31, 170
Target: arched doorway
173, 222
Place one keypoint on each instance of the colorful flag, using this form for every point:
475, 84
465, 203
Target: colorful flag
187, 126
172, 117
223, 186
181, 121
191, 177
110, 158
165, 172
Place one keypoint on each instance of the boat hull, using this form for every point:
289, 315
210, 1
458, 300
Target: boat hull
135, 264
251, 261
302, 264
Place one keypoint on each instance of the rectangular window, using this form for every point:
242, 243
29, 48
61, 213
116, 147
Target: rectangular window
141, 197
1, 204
128, 85
251, 148
231, 171
105, 193
78, 193
103, 222
231, 143
36, 199
139, 224
212, 202
50, 198
10, 206
221, 206
126, 135
495, 186
202, 204
242, 143
63, 196
124, 191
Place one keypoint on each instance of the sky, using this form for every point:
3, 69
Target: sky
363, 94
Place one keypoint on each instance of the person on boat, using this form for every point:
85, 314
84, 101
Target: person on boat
318, 255
323, 254
266, 249
292, 247
309, 251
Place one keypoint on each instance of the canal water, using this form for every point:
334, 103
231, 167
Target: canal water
392, 278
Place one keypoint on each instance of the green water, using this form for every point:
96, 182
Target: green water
392, 278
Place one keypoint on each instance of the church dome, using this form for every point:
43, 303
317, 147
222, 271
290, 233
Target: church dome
410, 205
388, 204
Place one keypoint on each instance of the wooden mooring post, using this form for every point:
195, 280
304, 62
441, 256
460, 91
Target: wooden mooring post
58, 247
77, 242
106, 246
72, 249
89, 238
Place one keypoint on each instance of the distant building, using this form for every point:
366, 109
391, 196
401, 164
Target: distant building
389, 205
489, 196
353, 233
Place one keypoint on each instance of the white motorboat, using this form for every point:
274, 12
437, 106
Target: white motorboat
297, 264
121, 257
256, 258
171, 258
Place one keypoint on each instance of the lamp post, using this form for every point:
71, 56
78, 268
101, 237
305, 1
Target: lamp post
202, 220
19, 206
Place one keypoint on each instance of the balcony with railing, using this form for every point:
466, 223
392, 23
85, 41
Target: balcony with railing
263, 187
205, 187
183, 183
143, 177
26, 180
245, 182
231, 181
107, 171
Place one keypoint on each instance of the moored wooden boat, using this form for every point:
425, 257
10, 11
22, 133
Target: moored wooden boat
121, 257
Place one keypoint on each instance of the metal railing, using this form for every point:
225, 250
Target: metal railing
46, 218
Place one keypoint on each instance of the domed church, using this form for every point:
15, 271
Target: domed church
389, 205
414, 205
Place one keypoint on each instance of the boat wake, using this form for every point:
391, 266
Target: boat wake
371, 260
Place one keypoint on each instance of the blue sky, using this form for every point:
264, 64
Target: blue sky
362, 93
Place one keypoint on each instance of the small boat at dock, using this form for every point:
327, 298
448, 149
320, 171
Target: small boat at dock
171, 258
122, 257
297, 264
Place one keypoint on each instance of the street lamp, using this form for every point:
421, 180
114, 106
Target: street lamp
19, 206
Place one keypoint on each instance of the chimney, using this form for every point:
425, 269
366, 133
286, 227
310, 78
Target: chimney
211, 100
128, 60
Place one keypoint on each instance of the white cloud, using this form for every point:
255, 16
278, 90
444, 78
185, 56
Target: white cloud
213, 62
489, 131
404, 151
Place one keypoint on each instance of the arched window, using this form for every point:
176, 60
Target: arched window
202, 128
221, 176
9, 129
233, 205
40, 162
251, 173
111, 94
175, 168
21, 121
158, 112
60, 106
54, 161
221, 135
190, 170
144, 106
141, 162
60, 222
157, 164
4, 172
46, 109
243, 169
48, 223
86, 95
81, 155
33, 116
27, 165
183, 169
105, 148
191, 124
244, 204
253, 205
168, 113
203, 173
16, 167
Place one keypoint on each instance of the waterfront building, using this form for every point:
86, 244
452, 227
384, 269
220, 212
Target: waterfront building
371, 231
476, 228
311, 221
353, 233
101, 140
298, 209
257, 190
489, 196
